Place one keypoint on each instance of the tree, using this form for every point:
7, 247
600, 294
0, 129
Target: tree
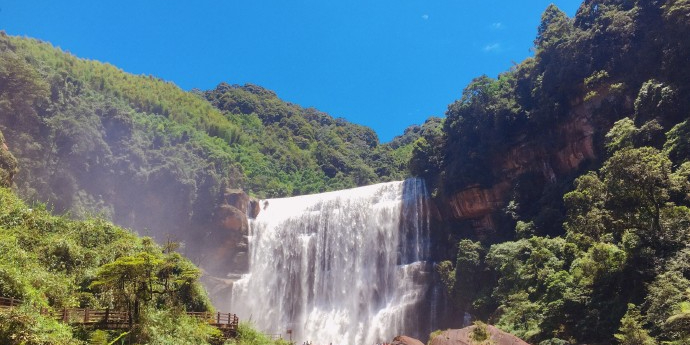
480, 334
640, 184
677, 145
679, 322
621, 135
22, 93
554, 28
588, 218
8, 164
677, 12
472, 281
666, 296
130, 280
631, 331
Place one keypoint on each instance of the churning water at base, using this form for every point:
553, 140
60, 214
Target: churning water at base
344, 267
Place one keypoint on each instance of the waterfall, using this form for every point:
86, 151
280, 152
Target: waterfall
345, 267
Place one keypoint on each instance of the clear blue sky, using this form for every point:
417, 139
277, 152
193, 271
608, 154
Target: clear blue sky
385, 64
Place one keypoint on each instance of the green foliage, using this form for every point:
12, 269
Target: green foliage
478, 126
627, 229
678, 324
8, 164
434, 334
165, 279
657, 100
554, 28
480, 334
426, 151
677, 11
248, 335
172, 327
631, 331
53, 262
534, 289
22, 326
614, 59
466, 281
337, 154
94, 140
470, 273
621, 135
677, 145
667, 294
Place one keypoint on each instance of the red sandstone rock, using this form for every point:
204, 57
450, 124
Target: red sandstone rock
254, 208
226, 250
237, 198
405, 340
233, 219
575, 146
462, 337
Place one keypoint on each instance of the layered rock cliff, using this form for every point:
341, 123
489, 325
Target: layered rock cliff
536, 162
227, 242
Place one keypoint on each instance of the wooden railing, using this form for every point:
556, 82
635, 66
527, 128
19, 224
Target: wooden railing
217, 319
6, 303
119, 318
91, 316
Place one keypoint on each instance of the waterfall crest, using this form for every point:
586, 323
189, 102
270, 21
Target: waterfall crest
345, 267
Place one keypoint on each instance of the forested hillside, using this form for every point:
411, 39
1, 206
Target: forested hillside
577, 162
92, 139
52, 263
49, 263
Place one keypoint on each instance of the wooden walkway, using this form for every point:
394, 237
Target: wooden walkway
112, 319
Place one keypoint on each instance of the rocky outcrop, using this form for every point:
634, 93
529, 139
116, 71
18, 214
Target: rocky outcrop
572, 144
405, 340
462, 337
474, 202
229, 239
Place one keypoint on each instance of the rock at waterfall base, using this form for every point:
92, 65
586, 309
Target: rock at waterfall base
462, 337
405, 340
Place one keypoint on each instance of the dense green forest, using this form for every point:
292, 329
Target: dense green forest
93, 140
52, 262
248, 137
598, 254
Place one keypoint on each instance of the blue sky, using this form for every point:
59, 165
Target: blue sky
385, 64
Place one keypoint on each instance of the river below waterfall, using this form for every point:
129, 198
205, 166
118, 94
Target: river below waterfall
346, 267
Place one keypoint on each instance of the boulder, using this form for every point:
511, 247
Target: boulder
226, 244
237, 198
405, 340
254, 208
462, 337
233, 219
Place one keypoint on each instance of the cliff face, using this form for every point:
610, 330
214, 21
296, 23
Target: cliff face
551, 161
511, 146
227, 243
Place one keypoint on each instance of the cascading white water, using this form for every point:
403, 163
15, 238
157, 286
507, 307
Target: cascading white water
344, 267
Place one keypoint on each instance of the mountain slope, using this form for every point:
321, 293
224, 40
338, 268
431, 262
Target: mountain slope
522, 138
92, 139
51, 263
563, 186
